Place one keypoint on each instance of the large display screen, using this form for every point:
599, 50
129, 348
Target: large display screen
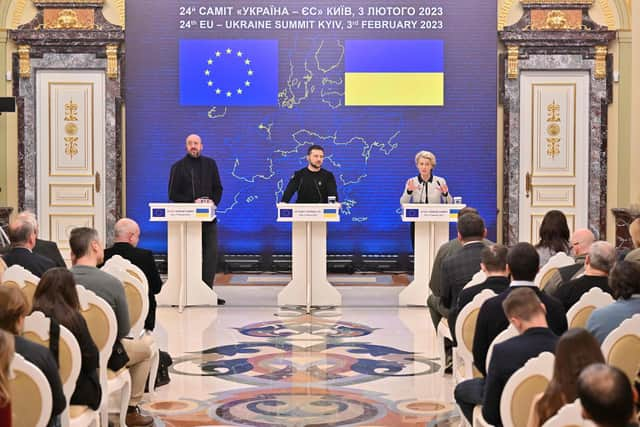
371, 82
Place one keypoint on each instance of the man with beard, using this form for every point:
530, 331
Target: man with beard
312, 183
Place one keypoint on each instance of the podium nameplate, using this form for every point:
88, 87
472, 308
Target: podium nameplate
417, 212
197, 212
308, 212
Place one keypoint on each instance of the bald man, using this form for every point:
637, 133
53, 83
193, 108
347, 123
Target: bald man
127, 236
581, 241
195, 179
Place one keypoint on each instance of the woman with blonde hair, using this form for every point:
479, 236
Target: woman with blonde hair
425, 187
576, 349
6, 356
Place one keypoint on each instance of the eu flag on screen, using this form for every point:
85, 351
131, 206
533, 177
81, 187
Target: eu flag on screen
228, 72
394, 72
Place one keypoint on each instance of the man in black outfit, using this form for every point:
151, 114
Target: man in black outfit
527, 314
46, 248
195, 179
493, 261
313, 184
22, 234
127, 236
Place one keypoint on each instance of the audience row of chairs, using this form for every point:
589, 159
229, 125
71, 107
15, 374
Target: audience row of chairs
27, 380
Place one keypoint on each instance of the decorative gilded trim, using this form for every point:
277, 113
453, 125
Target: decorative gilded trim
608, 14
68, 19
112, 61
58, 2
120, 4
504, 12
553, 130
559, 2
25, 62
600, 71
512, 62
17, 13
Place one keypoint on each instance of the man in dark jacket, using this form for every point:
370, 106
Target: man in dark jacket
46, 248
195, 179
22, 234
127, 236
527, 314
312, 183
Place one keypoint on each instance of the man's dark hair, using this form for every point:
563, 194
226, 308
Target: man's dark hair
20, 230
467, 210
605, 394
471, 226
315, 147
522, 303
624, 279
494, 257
80, 239
523, 261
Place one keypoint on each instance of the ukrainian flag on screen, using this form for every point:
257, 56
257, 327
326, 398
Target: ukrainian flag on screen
394, 72
228, 72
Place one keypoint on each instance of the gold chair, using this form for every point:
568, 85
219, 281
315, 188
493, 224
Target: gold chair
31, 399
579, 312
16, 275
621, 348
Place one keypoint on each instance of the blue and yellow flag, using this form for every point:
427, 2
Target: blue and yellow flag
394, 72
228, 72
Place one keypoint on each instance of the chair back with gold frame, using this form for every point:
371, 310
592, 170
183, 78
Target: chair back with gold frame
31, 398
621, 348
579, 312
16, 275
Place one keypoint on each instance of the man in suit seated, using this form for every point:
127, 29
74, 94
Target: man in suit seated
493, 262
634, 232
127, 236
46, 248
527, 314
581, 242
522, 262
606, 396
22, 234
599, 261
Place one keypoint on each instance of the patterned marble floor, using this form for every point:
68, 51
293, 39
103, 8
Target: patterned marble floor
257, 366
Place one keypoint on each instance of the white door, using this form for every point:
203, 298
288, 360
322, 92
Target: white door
70, 123
554, 147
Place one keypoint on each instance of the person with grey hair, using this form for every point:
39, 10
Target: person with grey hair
606, 396
46, 248
580, 242
22, 234
634, 233
425, 187
598, 263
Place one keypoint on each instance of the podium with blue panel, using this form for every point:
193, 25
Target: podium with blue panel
309, 285
432, 230
184, 286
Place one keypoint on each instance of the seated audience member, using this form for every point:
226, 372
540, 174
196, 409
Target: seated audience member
127, 235
581, 242
527, 314
624, 281
436, 309
46, 248
554, 236
86, 254
493, 261
57, 298
606, 396
634, 232
522, 261
576, 349
14, 307
600, 260
22, 234
6, 356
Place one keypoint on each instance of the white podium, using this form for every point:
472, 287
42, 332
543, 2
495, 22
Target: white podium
432, 230
309, 285
184, 287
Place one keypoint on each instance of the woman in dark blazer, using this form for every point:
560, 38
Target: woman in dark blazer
57, 298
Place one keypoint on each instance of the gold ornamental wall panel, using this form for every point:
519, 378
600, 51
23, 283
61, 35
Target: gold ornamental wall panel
553, 133
71, 130
553, 196
76, 195
60, 226
536, 220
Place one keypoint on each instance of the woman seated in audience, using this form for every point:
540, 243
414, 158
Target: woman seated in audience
57, 298
554, 236
575, 350
6, 355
